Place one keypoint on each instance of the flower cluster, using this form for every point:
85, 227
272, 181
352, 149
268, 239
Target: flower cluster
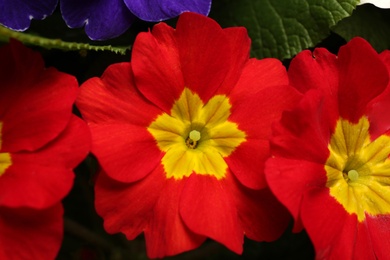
103, 19
194, 139
40, 144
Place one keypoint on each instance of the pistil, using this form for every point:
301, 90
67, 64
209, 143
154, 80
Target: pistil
353, 175
193, 138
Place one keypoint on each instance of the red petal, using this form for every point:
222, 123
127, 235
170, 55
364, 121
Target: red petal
260, 96
385, 57
115, 99
19, 60
258, 75
127, 208
208, 208
42, 178
363, 244
363, 76
289, 180
334, 233
126, 155
379, 231
67, 150
239, 41
263, 95
36, 103
327, 223
28, 234
167, 234
205, 53
247, 163
263, 218
309, 72
126, 151
378, 109
317, 70
378, 115
304, 133
156, 66
32, 185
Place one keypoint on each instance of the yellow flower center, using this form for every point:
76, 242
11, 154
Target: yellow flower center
196, 136
5, 158
358, 169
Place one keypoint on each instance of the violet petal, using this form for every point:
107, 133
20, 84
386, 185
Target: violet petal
158, 10
17, 14
103, 19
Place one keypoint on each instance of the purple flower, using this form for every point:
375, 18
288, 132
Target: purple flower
103, 19
17, 14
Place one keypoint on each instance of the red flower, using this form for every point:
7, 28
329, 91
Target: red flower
331, 164
40, 144
181, 134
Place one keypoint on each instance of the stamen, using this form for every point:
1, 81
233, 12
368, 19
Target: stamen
353, 175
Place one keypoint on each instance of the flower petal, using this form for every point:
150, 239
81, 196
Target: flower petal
225, 137
314, 70
67, 150
205, 54
261, 104
263, 218
289, 180
165, 61
378, 108
378, 228
42, 178
325, 227
116, 87
134, 203
247, 163
156, 65
304, 133
360, 66
167, 234
266, 101
207, 208
334, 233
240, 43
17, 14
29, 234
36, 103
158, 10
318, 70
127, 155
385, 57
103, 19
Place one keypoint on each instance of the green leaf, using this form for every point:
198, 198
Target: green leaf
282, 28
47, 43
369, 22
